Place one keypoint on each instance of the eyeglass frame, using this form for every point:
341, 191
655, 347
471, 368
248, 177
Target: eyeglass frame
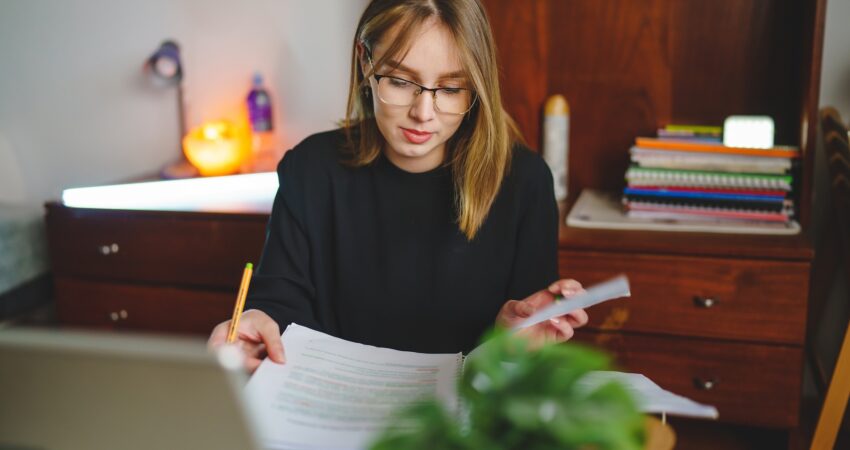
422, 89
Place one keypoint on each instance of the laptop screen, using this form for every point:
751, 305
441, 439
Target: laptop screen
65, 390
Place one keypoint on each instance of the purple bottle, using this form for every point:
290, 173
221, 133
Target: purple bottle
259, 106
266, 153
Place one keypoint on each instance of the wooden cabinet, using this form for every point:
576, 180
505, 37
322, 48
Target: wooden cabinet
139, 307
749, 383
174, 272
736, 299
720, 318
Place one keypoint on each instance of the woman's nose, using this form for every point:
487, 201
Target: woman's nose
423, 106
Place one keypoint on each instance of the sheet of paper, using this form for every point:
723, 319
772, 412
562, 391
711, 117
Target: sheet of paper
614, 288
336, 394
651, 398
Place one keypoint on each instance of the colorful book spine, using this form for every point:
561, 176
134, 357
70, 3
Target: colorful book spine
707, 195
688, 135
707, 162
636, 176
694, 129
664, 212
767, 192
719, 204
685, 146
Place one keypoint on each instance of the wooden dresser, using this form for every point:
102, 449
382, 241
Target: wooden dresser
174, 272
717, 318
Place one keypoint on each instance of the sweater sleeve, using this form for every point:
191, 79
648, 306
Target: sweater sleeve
282, 285
535, 263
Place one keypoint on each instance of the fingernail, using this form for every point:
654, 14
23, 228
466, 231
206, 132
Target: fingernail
554, 320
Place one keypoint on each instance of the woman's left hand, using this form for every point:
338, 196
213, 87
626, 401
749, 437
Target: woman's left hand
558, 329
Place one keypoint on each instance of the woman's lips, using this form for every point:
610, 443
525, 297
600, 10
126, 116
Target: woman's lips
416, 137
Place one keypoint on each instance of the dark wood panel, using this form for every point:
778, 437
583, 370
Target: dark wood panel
521, 36
814, 22
609, 67
692, 434
749, 383
158, 248
757, 300
114, 306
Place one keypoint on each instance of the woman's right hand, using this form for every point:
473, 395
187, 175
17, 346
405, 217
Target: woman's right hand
258, 336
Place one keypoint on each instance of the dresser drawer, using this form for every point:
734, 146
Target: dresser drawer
169, 249
757, 300
748, 383
114, 306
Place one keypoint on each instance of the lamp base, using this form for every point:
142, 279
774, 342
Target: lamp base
178, 170
263, 161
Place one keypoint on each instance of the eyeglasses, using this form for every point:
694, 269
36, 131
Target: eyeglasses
397, 91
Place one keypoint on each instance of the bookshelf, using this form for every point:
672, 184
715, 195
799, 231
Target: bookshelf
627, 67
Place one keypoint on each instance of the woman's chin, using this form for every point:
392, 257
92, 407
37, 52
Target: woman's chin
409, 150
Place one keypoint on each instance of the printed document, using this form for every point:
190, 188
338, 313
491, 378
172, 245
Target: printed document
336, 394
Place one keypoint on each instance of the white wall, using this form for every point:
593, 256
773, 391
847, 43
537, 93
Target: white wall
835, 76
76, 108
835, 91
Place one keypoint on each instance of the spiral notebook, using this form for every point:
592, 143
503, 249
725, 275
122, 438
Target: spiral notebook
710, 202
703, 214
704, 147
670, 159
641, 176
707, 194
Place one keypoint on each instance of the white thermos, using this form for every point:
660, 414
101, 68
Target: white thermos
556, 141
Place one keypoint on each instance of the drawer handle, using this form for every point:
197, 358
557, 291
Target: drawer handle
109, 249
705, 302
705, 384
115, 316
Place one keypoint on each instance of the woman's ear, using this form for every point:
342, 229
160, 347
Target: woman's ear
362, 57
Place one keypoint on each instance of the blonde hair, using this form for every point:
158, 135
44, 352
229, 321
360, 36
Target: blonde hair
480, 150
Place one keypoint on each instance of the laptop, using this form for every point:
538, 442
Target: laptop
63, 390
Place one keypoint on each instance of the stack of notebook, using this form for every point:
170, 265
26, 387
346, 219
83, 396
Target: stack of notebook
687, 174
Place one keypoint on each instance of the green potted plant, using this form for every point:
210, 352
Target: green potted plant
516, 397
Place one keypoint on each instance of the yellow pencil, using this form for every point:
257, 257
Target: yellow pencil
240, 303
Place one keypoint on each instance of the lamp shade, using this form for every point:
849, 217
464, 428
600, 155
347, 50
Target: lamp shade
217, 148
165, 62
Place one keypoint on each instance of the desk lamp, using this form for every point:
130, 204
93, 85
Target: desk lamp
167, 69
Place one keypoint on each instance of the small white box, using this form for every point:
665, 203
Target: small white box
748, 131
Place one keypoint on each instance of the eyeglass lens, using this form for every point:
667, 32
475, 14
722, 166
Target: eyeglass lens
400, 92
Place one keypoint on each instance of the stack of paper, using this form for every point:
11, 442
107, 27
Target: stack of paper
336, 394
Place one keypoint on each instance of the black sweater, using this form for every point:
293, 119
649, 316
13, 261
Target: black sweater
375, 255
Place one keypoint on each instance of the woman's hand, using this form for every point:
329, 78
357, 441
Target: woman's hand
258, 336
555, 330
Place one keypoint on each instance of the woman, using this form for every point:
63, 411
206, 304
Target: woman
413, 225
